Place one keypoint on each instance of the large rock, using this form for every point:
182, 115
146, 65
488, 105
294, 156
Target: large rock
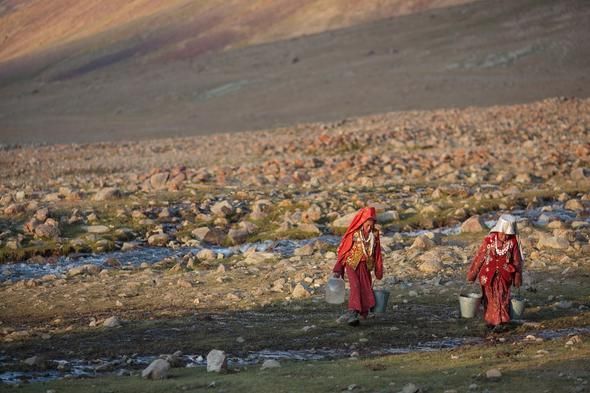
301, 292
222, 208
423, 242
574, 204
158, 369
558, 243
107, 193
46, 231
111, 322
493, 373
216, 361
209, 235
206, 254
473, 224
159, 239
158, 180
237, 235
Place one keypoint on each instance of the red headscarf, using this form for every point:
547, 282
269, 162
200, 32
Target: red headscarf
346, 243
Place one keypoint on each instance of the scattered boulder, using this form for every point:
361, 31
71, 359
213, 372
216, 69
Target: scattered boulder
270, 363
158, 369
493, 373
111, 322
552, 242
209, 235
222, 208
423, 242
206, 254
574, 204
410, 388
216, 361
159, 239
237, 235
301, 291
473, 224
46, 231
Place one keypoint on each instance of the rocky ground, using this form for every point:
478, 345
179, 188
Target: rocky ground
221, 207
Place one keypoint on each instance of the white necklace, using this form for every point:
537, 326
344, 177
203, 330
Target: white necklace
503, 250
370, 240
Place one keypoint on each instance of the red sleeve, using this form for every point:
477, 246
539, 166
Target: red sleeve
477, 260
378, 259
517, 263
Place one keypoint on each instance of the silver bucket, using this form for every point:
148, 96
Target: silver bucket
516, 307
469, 304
381, 299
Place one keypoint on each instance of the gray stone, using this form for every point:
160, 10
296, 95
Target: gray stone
410, 388
270, 363
216, 361
493, 373
158, 369
159, 239
111, 322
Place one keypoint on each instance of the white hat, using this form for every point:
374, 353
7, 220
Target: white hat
506, 224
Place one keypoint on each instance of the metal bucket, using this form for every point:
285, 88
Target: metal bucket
516, 307
381, 299
469, 304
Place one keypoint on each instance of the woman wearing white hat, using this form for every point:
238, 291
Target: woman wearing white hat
498, 265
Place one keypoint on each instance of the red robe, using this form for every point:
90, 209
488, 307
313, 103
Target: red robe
361, 297
497, 265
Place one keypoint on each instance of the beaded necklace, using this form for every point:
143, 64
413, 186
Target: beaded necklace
502, 251
370, 241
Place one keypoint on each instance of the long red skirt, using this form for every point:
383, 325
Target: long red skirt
496, 302
361, 291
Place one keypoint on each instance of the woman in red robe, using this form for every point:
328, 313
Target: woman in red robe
359, 253
498, 265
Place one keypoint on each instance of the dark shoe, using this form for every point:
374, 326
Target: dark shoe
353, 319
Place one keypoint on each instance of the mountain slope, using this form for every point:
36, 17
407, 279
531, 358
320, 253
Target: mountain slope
116, 85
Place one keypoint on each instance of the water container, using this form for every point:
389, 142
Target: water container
469, 304
516, 307
381, 298
335, 291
